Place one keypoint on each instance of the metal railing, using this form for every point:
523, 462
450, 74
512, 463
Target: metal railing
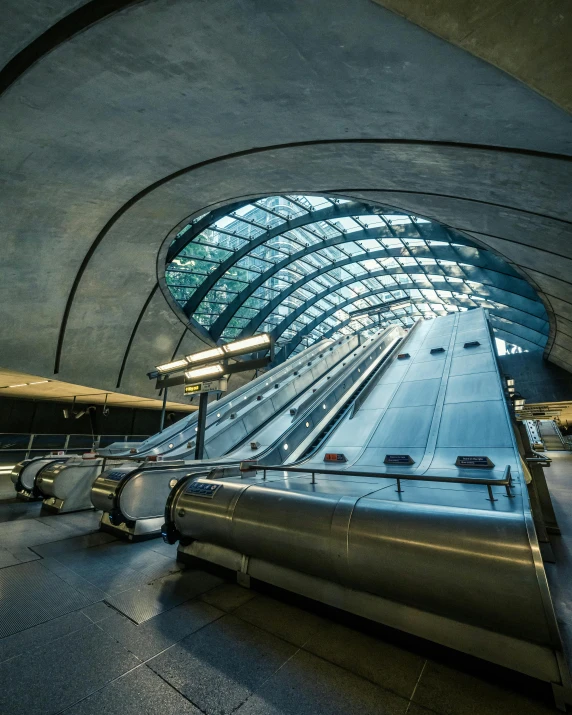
25, 445
505, 482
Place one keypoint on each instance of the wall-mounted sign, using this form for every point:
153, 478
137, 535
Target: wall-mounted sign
333, 457
472, 462
402, 459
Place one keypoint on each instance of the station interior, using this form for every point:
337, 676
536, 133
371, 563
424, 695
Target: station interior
285, 357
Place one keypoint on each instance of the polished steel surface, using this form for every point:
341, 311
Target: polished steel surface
173, 440
133, 494
31, 469
441, 548
67, 486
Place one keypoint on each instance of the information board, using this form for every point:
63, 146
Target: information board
402, 459
202, 489
474, 462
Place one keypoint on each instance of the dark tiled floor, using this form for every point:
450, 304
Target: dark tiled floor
73, 644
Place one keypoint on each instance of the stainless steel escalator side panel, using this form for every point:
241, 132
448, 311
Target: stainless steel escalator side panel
245, 398
473, 569
128, 495
17, 470
221, 438
31, 470
106, 486
183, 431
67, 487
144, 494
442, 553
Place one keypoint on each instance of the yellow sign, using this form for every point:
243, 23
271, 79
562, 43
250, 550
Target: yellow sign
193, 388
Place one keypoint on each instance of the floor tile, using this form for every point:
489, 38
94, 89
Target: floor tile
26, 532
113, 580
62, 672
307, 685
383, 663
139, 692
452, 692
155, 635
32, 594
80, 584
218, 667
289, 622
14, 510
98, 612
228, 596
36, 636
75, 543
161, 547
87, 520
7, 559
24, 554
148, 600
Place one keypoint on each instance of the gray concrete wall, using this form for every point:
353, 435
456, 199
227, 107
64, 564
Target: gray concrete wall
510, 35
536, 379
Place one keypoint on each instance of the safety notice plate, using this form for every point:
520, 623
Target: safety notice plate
402, 459
474, 462
333, 457
201, 489
116, 476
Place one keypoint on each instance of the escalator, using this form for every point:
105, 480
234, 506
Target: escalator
133, 497
424, 521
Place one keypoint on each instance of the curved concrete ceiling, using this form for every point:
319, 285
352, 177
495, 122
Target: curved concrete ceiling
511, 36
167, 109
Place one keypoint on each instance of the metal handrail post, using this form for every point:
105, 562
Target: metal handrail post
489, 483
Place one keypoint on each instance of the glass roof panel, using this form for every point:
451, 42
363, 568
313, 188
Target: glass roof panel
215, 273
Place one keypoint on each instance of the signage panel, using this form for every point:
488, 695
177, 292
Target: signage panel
398, 459
116, 476
202, 489
207, 386
474, 462
333, 457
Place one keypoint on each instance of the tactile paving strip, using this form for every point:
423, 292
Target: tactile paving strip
30, 594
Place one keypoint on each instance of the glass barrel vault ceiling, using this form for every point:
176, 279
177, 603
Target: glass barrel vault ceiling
309, 267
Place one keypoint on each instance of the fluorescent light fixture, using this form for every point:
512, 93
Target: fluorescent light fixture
38, 382
205, 355
171, 366
200, 372
248, 344
22, 384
